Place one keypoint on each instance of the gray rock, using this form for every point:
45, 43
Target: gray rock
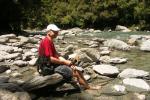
117, 44
12, 56
114, 90
133, 73
33, 61
106, 52
41, 81
12, 36
138, 83
105, 59
4, 79
6, 48
11, 87
118, 60
19, 50
8, 95
106, 69
20, 63
23, 39
90, 52
3, 68
145, 46
122, 28
3, 40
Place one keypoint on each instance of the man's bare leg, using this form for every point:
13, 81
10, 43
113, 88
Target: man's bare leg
83, 82
81, 79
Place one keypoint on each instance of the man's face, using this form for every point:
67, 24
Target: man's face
54, 34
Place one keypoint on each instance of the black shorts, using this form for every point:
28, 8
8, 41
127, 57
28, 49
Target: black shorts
65, 71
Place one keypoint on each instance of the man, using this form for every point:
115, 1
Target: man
62, 66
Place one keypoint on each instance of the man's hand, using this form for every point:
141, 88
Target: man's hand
73, 67
77, 68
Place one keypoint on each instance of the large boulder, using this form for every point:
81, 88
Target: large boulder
41, 81
8, 95
12, 36
145, 46
138, 83
117, 44
20, 63
6, 48
133, 73
12, 56
91, 53
107, 70
122, 28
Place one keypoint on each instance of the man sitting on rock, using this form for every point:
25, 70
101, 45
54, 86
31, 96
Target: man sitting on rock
57, 63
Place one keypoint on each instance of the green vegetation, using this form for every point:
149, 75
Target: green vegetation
31, 14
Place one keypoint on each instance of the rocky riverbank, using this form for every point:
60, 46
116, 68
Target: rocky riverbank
19, 77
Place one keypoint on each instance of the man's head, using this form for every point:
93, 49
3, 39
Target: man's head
52, 30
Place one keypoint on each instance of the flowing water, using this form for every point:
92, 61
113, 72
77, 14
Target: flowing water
136, 58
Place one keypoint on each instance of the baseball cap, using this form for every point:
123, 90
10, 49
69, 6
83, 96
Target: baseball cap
52, 27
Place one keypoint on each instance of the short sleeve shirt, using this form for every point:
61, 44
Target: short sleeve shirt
47, 48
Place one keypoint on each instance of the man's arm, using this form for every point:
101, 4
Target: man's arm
60, 60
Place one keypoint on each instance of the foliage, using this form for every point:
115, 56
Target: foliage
31, 14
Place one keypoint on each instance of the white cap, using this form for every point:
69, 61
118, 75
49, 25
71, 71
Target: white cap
52, 27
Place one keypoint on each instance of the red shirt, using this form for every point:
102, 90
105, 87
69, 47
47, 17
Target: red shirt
47, 48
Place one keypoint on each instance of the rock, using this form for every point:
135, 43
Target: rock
105, 52
90, 53
12, 56
6, 48
16, 74
99, 40
117, 44
69, 48
119, 88
3, 40
114, 90
138, 83
3, 68
12, 36
105, 59
140, 96
72, 56
133, 73
132, 41
122, 28
41, 81
23, 39
97, 31
13, 40
107, 70
104, 48
87, 77
145, 46
11, 87
84, 57
117, 60
8, 71
136, 37
33, 61
20, 63
34, 50
19, 50
4, 79
29, 54
8, 95
94, 45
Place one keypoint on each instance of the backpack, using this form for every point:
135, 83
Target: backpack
44, 66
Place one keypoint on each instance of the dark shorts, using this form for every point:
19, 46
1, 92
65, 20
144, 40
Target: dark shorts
65, 71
